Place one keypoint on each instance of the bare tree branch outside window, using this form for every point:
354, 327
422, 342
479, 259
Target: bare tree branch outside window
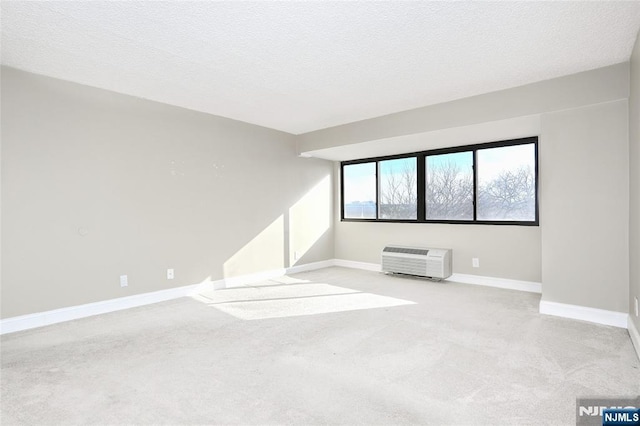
398, 192
509, 196
449, 192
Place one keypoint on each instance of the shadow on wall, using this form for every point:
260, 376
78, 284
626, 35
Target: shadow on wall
285, 241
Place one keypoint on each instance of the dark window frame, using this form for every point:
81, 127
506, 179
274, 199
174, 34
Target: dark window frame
421, 183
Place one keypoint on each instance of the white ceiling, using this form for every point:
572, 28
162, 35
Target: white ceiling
303, 66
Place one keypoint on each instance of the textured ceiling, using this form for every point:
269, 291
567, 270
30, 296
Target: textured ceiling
303, 66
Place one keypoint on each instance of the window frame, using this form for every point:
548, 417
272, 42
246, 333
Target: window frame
422, 182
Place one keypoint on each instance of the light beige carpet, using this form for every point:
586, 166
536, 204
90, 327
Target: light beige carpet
333, 346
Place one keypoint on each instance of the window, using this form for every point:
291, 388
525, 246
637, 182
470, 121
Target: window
492, 183
450, 186
398, 189
359, 194
506, 183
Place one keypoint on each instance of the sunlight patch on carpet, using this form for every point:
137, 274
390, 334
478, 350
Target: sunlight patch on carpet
291, 300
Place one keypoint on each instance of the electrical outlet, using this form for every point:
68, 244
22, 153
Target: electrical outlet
636, 306
475, 262
170, 274
124, 281
295, 255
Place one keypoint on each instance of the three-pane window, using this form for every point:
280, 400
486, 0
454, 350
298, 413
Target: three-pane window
493, 183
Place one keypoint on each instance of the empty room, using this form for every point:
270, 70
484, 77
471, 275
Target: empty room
318, 212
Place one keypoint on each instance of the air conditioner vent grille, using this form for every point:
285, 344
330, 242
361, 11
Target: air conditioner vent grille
404, 265
406, 250
424, 262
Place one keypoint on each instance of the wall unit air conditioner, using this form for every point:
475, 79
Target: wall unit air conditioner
423, 262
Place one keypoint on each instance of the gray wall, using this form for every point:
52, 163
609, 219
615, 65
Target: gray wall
584, 170
153, 186
504, 251
580, 252
156, 186
634, 187
585, 88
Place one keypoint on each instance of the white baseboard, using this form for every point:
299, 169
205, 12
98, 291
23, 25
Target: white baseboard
40, 319
598, 316
25, 322
242, 280
274, 273
634, 334
357, 265
310, 266
529, 286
